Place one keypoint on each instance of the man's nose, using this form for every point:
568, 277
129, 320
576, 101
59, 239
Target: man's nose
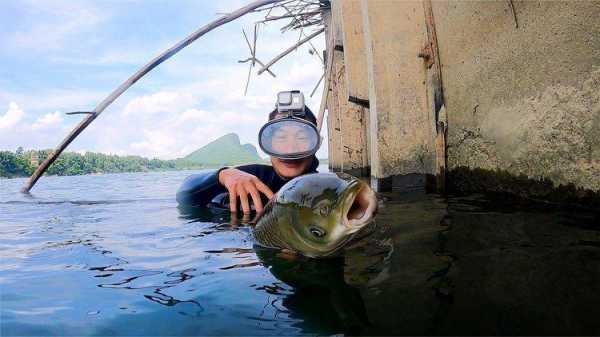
294, 145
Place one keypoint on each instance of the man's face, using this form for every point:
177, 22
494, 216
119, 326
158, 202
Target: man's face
291, 139
290, 168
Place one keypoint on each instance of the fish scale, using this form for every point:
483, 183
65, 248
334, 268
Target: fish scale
309, 214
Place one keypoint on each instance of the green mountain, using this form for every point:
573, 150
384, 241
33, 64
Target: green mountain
226, 150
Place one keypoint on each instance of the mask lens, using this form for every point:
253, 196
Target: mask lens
289, 139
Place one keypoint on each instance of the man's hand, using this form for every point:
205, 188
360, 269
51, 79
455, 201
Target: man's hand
240, 184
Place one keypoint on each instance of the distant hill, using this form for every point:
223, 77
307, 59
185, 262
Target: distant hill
226, 150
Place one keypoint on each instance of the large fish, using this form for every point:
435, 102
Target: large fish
316, 214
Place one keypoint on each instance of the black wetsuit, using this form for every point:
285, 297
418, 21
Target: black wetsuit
204, 190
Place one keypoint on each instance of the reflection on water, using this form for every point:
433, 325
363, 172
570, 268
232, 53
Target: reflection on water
124, 260
320, 299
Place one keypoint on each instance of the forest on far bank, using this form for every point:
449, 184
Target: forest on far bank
18, 163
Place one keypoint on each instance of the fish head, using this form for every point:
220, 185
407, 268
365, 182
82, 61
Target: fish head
323, 211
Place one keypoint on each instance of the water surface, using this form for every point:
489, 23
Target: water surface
113, 255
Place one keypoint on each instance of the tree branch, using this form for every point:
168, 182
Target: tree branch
289, 50
134, 78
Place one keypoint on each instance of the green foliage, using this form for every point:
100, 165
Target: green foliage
224, 151
70, 163
14, 165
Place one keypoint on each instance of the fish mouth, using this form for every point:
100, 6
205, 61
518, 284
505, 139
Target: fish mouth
360, 206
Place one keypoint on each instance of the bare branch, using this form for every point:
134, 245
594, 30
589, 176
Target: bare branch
316, 52
134, 78
289, 50
273, 18
259, 62
325, 88
249, 46
79, 113
248, 79
512, 8
254, 44
316, 86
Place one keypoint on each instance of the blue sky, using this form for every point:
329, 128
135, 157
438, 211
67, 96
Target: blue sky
65, 55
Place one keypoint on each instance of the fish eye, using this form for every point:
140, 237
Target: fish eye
317, 232
323, 211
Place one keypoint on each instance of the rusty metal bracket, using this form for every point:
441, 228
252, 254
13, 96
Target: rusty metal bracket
426, 54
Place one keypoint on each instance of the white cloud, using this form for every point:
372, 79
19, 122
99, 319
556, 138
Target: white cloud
56, 23
47, 121
160, 102
55, 99
179, 120
182, 105
11, 117
110, 57
157, 142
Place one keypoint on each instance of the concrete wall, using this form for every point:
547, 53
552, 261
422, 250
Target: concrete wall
525, 100
522, 97
401, 124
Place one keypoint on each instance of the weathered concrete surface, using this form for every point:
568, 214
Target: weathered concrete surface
355, 56
333, 123
353, 131
400, 121
346, 120
525, 100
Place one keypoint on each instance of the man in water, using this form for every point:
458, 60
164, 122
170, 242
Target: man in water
290, 138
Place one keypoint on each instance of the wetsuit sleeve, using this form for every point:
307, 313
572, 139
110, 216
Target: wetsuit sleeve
199, 189
202, 188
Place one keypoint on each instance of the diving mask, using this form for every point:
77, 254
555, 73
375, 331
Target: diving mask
290, 136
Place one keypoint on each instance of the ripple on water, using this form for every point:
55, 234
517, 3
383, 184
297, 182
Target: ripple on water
112, 255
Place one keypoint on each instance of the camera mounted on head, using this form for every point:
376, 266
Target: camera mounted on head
290, 135
290, 103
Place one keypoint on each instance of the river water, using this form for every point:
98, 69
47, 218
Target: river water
113, 255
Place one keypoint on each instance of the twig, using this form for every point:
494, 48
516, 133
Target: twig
316, 52
273, 18
259, 62
134, 78
316, 86
289, 50
512, 8
79, 113
262, 9
325, 87
253, 58
254, 44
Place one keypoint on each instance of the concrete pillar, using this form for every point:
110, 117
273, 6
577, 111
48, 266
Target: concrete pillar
347, 122
401, 125
355, 55
333, 122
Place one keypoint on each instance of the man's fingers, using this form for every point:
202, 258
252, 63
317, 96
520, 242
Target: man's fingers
256, 199
244, 198
264, 188
232, 201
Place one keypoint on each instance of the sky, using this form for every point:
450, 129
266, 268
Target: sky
59, 56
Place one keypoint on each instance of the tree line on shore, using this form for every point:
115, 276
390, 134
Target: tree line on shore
19, 163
